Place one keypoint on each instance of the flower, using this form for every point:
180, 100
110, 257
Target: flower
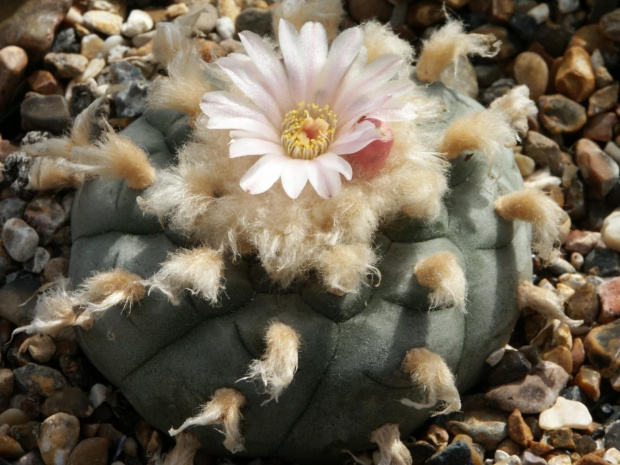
302, 113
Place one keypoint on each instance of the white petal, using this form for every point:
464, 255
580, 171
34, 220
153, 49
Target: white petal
245, 75
244, 146
326, 182
335, 163
342, 53
395, 111
354, 139
294, 60
263, 174
295, 176
314, 44
270, 67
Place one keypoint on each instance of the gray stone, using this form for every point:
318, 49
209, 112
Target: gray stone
487, 427
46, 216
513, 365
66, 65
39, 378
66, 41
559, 114
612, 435
131, 102
543, 150
83, 94
13, 207
19, 239
602, 262
257, 20
457, 452
46, 113
529, 458
38, 261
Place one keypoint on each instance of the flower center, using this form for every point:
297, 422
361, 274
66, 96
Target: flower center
308, 130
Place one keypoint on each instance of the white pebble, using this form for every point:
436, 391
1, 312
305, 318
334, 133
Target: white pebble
576, 259
98, 394
501, 455
93, 69
514, 460
613, 151
138, 22
568, 6
612, 456
610, 232
117, 53
225, 27
565, 414
540, 13
144, 38
91, 45
112, 42
560, 460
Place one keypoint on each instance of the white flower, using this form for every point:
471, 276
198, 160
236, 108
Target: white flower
305, 111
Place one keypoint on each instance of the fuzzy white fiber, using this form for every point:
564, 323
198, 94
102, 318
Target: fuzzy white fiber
278, 365
429, 371
518, 106
442, 273
447, 45
544, 301
48, 174
298, 12
391, 448
545, 215
379, 39
222, 410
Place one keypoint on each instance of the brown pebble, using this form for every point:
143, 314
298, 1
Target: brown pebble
560, 356
211, 51
578, 353
531, 70
66, 65
575, 76
600, 127
7, 382
27, 434
603, 77
13, 63
559, 114
589, 37
509, 446
609, 295
10, 448
591, 459
91, 451
603, 99
599, 170
562, 439
583, 305
502, 10
425, 13
583, 241
610, 25
437, 436
55, 269
59, 435
589, 380
518, 430
43, 82
362, 10
602, 345
540, 448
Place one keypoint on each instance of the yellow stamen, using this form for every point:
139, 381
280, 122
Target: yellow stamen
308, 130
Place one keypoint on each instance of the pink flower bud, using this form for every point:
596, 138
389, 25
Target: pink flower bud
368, 161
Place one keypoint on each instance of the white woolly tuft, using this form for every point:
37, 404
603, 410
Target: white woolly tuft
443, 274
545, 215
103, 291
344, 267
379, 39
222, 410
544, 301
518, 106
447, 45
169, 39
298, 12
83, 124
393, 451
184, 450
279, 363
51, 174
488, 131
198, 270
429, 371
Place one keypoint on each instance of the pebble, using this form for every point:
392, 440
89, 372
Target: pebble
599, 170
600, 127
518, 430
562, 439
612, 435
39, 378
143, 39
225, 27
560, 356
45, 113
13, 63
526, 164
82, 95
610, 25
457, 452
486, 427
13, 416
609, 295
601, 345
104, 22
10, 448
513, 365
603, 99
559, 114
27, 434
112, 42
544, 151
584, 305
91, 451
531, 70
91, 45
71, 400
66, 65
19, 239
55, 269
175, 10
565, 413
59, 435
612, 456
560, 460
533, 394
568, 6
38, 261
589, 380
14, 294
424, 14
363, 10
602, 262
610, 232
46, 216
583, 241
256, 20
66, 41
95, 66
575, 75
540, 13
137, 23
13, 207
43, 82
41, 347
7, 381
578, 353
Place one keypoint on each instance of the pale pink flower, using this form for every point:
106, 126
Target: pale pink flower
303, 112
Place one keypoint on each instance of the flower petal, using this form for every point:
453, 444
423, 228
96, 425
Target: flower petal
314, 44
294, 60
270, 67
263, 174
334, 162
395, 110
354, 139
244, 146
295, 176
326, 182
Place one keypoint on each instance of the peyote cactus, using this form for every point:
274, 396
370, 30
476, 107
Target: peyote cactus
305, 319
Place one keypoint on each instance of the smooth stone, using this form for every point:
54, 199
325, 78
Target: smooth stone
526, 164
568, 6
46, 216
146, 37
13, 63
591, 459
540, 13
544, 151
41, 347
95, 66
518, 430
13, 207
513, 365
91, 451
612, 435
584, 305
559, 114
610, 25
71, 400
603, 77
553, 37
560, 356
46, 113
225, 27
612, 456
10, 448
425, 13
575, 75
137, 23
602, 262
610, 232
43, 380
560, 460
476, 451
562, 438
19, 239
59, 435
91, 45
609, 296
66, 65
112, 42
27, 434
531, 70
601, 345
578, 353
7, 382
103, 22
256, 20
38, 261
528, 458
565, 413
43, 82
457, 452
599, 170
57, 268
589, 380
32, 25
523, 26
98, 394
535, 393
486, 427
211, 51
585, 445
603, 99
13, 416
600, 127
582, 241
66, 41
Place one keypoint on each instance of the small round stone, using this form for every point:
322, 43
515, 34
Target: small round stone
610, 232
599, 170
559, 114
91, 45
610, 25
10, 448
531, 70
589, 380
137, 23
103, 22
39, 378
565, 414
59, 435
92, 451
7, 381
19, 239
575, 76
38, 261
66, 65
